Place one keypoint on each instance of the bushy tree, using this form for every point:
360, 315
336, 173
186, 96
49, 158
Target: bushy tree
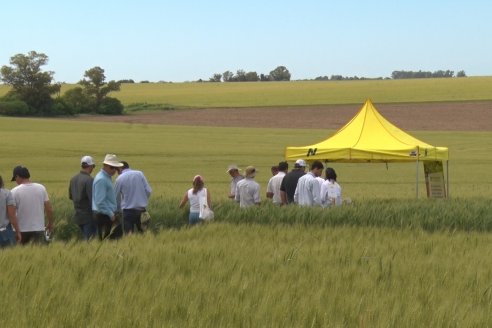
281, 73
29, 83
94, 85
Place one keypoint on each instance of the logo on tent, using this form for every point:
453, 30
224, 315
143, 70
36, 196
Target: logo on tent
311, 152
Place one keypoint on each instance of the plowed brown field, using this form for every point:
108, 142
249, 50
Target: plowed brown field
463, 116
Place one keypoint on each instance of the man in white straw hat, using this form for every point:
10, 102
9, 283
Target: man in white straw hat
104, 199
233, 171
80, 192
248, 190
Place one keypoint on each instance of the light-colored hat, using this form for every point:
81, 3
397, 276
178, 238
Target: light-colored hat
300, 163
232, 167
112, 160
87, 160
250, 172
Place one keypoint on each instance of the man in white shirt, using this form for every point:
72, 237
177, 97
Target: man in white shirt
273, 187
31, 203
247, 189
308, 190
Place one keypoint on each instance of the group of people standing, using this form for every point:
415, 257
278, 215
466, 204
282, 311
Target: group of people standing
101, 208
110, 210
294, 187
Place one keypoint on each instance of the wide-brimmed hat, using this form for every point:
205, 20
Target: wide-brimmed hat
112, 160
21, 172
250, 172
232, 167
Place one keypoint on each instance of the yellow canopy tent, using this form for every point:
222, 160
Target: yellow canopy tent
368, 137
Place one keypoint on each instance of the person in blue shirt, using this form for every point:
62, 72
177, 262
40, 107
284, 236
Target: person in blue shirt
104, 204
132, 196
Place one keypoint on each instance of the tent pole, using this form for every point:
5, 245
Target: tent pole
447, 177
417, 175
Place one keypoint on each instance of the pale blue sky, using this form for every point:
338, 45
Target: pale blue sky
186, 40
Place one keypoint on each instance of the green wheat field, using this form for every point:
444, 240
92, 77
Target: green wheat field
389, 259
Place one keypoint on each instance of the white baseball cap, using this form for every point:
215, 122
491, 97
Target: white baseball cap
300, 163
87, 160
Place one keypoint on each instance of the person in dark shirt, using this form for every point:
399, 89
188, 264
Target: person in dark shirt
289, 183
80, 192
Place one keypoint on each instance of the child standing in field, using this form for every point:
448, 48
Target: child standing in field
197, 196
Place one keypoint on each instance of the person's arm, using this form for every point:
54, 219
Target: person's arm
184, 200
148, 189
316, 193
48, 210
13, 220
257, 197
269, 192
117, 192
70, 190
209, 201
283, 197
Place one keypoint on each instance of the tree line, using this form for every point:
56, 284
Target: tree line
33, 92
280, 73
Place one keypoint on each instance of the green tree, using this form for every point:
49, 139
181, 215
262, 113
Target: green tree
281, 73
215, 78
95, 86
29, 83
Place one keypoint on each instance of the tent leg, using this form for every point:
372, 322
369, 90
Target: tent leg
447, 178
417, 179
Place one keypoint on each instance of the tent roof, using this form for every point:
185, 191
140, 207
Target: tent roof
369, 137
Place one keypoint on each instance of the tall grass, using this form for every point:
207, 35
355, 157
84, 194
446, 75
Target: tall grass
249, 275
439, 215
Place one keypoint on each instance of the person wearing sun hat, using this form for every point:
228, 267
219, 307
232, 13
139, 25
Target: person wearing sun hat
233, 171
80, 192
104, 204
248, 190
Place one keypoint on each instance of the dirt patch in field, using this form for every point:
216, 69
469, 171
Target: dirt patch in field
463, 116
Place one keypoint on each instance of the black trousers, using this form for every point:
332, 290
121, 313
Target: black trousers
107, 229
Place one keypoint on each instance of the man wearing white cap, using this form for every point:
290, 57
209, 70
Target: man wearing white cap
80, 192
289, 183
104, 199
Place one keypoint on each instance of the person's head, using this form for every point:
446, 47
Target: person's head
274, 169
283, 166
111, 164
330, 174
125, 165
300, 164
1, 182
20, 174
250, 172
233, 170
198, 183
317, 168
87, 163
